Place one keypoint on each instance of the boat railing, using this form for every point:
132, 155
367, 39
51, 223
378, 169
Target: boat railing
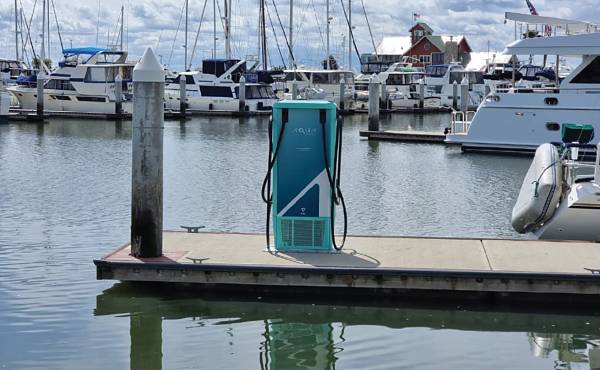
461, 121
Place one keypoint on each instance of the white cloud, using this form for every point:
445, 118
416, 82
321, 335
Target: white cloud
149, 20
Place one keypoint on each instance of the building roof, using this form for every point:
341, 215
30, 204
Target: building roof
394, 45
481, 59
423, 25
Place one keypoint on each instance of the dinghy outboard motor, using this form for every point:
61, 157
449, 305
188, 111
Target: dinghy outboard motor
305, 147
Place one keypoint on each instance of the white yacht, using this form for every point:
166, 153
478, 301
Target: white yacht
216, 89
323, 82
559, 196
402, 86
440, 78
83, 82
521, 119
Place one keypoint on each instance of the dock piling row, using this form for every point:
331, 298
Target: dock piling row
182, 95
40, 96
118, 95
242, 96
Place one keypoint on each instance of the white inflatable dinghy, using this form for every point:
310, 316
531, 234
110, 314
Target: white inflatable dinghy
540, 192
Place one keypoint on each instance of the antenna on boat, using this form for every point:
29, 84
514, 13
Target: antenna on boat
227, 9
98, 25
16, 31
122, 24
214, 29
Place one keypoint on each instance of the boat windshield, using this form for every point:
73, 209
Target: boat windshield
436, 70
403, 78
257, 92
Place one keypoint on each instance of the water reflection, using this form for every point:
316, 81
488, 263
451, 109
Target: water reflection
319, 336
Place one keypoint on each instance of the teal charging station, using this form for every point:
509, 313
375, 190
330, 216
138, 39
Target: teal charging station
305, 166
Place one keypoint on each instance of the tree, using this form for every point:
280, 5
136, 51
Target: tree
36, 63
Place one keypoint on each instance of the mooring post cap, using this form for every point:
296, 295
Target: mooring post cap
148, 69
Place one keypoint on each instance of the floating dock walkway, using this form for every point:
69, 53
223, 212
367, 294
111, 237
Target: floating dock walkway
368, 265
406, 136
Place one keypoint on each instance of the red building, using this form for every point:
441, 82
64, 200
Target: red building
428, 48
421, 48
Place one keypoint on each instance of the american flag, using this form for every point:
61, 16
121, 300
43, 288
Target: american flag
531, 8
547, 28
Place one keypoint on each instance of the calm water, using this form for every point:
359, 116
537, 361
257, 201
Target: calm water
64, 200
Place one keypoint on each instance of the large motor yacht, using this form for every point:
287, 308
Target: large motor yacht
521, 119
84, 82
215, 89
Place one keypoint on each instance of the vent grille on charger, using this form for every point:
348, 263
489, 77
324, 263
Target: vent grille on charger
302, 233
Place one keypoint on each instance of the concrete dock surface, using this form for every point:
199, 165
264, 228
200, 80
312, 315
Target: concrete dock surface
380, 263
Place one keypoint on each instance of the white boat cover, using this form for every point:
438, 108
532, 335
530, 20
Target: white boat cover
540, 192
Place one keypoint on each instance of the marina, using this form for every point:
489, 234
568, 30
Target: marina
299, 184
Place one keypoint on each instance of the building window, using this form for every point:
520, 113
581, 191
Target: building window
425, 59
418, 33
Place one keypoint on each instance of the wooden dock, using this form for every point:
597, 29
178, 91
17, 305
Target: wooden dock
406, 110
406, 136
369, 265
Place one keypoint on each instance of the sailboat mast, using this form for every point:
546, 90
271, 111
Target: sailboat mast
349, 34
263, 28
16, 31
291, 57
185, 44
327, 31
227, 29
43, 52
122, 21
214, 29
48, 27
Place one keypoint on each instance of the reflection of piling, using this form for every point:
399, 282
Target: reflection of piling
464, 97
373, 106
342, 95
147, 157
182, 95
118, 95
454, 95
421, 94
242, 96
40, 96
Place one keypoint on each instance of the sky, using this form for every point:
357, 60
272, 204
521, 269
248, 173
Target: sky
157, 24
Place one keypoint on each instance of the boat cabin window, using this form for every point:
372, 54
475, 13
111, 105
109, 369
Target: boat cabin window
590, 74
257, 92
456, 76
108, 74
436, 71
59, 85
189, 80
216, 91
291, 76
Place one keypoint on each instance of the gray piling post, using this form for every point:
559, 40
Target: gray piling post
294, 90
373, 105
147, 157
421, 94
454, 95
342, 95
242, 96
464, 96
182, 95
488, 90
118, 95
384, 95
40, 95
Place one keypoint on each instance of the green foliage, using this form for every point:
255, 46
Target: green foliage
47, 61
